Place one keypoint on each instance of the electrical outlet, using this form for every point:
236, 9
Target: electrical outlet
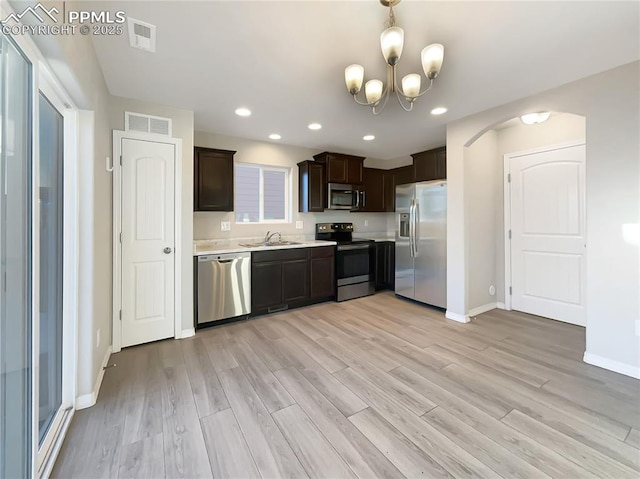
98, 338
225, 226
299, 225
492, 290
366, 223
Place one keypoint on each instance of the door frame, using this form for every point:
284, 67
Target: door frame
507, 206
118, 136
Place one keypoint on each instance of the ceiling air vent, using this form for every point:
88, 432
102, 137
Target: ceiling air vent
142, 35
147, 123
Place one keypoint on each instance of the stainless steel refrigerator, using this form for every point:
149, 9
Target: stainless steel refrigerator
421, 242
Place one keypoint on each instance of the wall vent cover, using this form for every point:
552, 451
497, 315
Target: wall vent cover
147, 123
142, 35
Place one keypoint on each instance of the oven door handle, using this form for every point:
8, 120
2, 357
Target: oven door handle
351, 247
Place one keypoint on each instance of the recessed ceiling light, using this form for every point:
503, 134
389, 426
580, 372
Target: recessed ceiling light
275, 136
243, 112
368, 137
315, 126
533, 118
439, 110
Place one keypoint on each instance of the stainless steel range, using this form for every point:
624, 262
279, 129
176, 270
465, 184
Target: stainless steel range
354, 271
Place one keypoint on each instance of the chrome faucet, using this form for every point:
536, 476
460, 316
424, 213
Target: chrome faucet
269, 235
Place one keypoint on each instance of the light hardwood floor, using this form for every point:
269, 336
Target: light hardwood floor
376, 387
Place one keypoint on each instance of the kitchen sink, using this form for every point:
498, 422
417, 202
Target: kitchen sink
276, 243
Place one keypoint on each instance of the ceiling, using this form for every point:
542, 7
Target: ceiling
285, 61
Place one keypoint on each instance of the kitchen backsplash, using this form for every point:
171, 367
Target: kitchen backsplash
206, 225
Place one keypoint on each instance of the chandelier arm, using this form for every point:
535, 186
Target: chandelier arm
363, 103
384, 103
428, 88
410, 107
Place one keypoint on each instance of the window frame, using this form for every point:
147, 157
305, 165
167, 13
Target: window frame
287, 193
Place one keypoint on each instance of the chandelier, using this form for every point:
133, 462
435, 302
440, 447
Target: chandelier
391, 42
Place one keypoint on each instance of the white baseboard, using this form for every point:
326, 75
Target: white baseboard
482, 309
611, 365
88, 400
501, 305
461, 318
187, 333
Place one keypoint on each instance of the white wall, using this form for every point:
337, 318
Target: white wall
481, 167
182, 125
609, 101
206, 224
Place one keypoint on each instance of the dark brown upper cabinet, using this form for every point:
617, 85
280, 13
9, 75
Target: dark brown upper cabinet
430, 164
372, 191
213, 179
389, 191
312, 189
340, 168
404, 175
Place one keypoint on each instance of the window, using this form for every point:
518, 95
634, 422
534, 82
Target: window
262, 194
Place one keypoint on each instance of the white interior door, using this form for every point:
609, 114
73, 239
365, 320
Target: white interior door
548, 242
148, 232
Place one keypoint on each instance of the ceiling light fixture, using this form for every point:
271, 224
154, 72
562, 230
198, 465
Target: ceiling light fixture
275, 136
533, 118
368, 137
391, 42
243, 112
439, 111
315, 126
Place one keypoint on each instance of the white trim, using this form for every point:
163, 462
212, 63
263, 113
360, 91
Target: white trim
186, 333
460, 318
500, 305
118, 136
47, 467
611, 365
482, 309
88, 400
507, 206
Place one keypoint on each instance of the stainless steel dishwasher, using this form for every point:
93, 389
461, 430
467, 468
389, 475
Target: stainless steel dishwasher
224, 286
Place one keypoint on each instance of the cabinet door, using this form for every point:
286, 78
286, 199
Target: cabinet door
389, 191
266, 285
404, 175
373, 190
355, 171
425, 166
322, 272
381, 273
391, 265
441, 159
295, 280
213, 180
336, 170
311, 187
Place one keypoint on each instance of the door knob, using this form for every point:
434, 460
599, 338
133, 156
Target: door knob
167, 250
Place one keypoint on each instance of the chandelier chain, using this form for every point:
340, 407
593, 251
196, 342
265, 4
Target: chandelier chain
391, 22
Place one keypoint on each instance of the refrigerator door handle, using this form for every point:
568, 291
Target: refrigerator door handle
411, 228
416, 233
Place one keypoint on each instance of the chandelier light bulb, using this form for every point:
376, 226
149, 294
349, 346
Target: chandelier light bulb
373, 91
411, 85
391, 43
432, 58
353, 77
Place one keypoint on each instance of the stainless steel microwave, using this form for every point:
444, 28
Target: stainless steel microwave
343, 197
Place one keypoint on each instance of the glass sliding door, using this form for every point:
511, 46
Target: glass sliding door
50, 195
15, 262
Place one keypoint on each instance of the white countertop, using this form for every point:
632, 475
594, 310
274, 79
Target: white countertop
203, 247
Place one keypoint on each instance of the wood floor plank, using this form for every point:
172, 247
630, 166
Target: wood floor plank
314, 452
143, 459
588, 458
206, 388
436, 446
219, 354
524, 447
143, 418
271, 392
505, 463
272, 454
229, 455
403, 453
362, 457
633, 439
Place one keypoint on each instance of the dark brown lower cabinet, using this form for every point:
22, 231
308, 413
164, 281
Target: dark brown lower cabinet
286, 279
385, 265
